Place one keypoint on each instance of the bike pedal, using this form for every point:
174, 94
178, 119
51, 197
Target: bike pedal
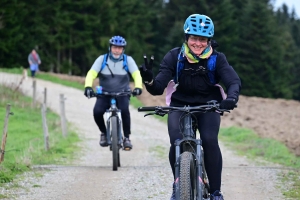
126, 148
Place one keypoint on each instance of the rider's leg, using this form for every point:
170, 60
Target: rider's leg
174, 134
209, 125
101, 105
123, 105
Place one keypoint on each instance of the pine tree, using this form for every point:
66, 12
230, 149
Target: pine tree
11, 34
226, 32
260, 53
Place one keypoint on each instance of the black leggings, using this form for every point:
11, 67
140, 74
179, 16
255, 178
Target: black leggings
103, 103
208, 126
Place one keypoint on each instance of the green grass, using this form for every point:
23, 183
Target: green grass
12, 70
46, 77
25, 140
54, 79
3, 196
135, 102
246, 142
291, 180
160, 151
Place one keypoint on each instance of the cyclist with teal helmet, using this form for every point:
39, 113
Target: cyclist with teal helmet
114, 78
192, 87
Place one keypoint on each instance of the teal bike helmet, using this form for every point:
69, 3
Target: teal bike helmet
200, 25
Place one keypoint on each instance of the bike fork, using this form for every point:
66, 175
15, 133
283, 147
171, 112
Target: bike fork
119, 129
199, 181
177, 161
108, 139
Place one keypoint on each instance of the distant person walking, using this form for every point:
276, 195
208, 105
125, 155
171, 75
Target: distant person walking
34, 62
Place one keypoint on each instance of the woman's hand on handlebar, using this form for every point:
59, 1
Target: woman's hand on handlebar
228, 104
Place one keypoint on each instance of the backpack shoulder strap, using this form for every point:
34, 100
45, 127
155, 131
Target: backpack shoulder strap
125, 64
211, 67
104, 63
179, 67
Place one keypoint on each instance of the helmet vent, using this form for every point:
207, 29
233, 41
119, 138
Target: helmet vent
118, 41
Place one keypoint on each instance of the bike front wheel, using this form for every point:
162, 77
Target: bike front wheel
114, 143
187, 176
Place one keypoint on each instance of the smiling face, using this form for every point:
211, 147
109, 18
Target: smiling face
116, 51
197, 44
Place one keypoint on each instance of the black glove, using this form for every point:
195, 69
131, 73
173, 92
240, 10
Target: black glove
137, 91
146, 70
228, 104
89, 92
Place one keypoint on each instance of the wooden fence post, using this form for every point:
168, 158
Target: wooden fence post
45, 127
34, 92
63, 115
45, 97
4, 135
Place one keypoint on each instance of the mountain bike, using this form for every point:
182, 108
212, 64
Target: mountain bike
114, 126
190, 175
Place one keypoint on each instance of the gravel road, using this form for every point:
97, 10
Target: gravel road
145, 171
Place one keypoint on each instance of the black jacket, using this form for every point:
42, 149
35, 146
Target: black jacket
194, 86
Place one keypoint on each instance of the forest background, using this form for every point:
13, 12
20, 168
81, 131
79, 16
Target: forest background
261, 43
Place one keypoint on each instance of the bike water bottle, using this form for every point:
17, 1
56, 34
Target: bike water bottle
98, 89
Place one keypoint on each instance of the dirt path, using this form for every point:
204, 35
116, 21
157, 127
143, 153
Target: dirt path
145, 171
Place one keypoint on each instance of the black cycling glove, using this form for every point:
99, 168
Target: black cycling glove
89, 92
146, 70
137, 91
228, 104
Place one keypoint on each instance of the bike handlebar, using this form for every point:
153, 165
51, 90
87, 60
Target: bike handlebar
211, 106
113, 94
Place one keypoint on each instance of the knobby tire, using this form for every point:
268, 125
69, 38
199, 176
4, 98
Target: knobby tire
114, 142
187, 179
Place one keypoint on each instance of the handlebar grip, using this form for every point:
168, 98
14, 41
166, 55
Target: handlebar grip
150, 108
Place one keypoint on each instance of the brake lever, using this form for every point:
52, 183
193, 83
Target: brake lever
157, 112
149, 114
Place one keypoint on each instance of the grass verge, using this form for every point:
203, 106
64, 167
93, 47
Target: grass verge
248, 143
46, 77
25, 140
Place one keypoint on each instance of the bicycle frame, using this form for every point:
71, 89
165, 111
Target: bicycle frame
114, 126
199, 185
113, 111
